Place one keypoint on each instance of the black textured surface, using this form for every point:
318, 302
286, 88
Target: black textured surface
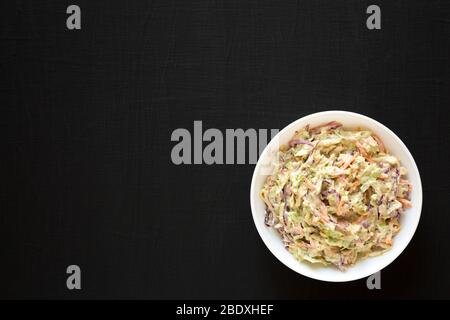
86, 119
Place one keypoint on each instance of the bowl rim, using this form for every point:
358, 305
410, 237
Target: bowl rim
418, 188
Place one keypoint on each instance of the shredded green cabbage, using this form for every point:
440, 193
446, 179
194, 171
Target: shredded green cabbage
336, 195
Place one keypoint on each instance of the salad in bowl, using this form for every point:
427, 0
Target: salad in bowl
336, 196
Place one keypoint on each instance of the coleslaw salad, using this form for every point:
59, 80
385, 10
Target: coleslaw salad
336, 195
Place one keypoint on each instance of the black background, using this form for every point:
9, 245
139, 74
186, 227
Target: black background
86, 119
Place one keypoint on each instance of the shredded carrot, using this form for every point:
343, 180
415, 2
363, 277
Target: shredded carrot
349, 162
354, 185
339, 163
324, 219
323, 209
310, 185
383, 176
406, 203
389, 240
410, 187
324, 212
380, 143
339, 207
363, 152
361, 149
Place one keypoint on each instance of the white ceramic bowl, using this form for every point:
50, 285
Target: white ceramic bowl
362, 268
